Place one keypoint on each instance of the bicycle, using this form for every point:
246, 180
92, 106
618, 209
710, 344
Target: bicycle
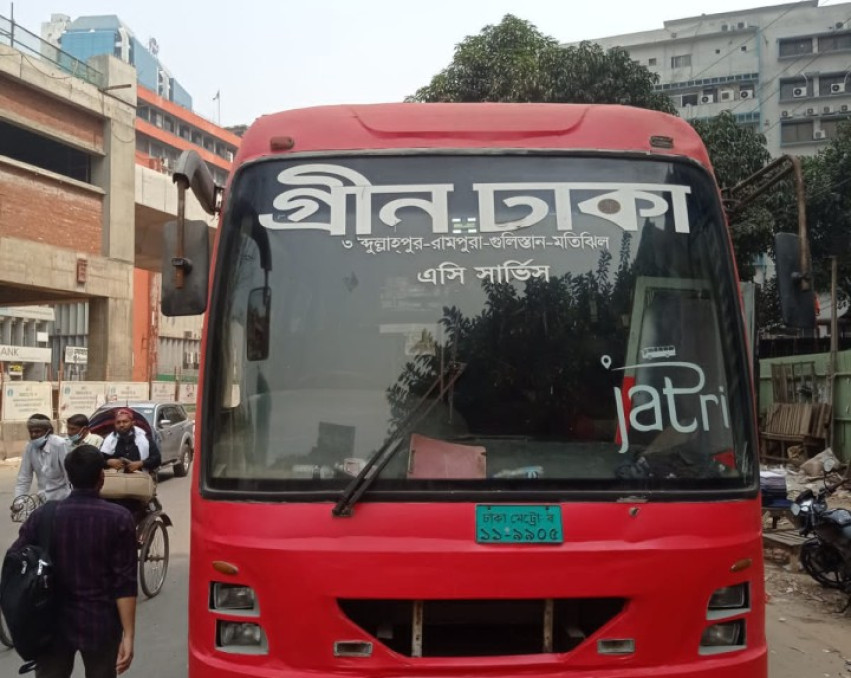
23, 506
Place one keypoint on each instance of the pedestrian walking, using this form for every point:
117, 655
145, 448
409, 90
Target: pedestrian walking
44, 458
94, 558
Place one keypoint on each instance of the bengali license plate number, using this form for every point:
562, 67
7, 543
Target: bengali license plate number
501, 524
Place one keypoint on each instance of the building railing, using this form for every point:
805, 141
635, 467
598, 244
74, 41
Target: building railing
17, 37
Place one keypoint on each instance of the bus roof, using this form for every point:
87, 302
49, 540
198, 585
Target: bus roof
469, 126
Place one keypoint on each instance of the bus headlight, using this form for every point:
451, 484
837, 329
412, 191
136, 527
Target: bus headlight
234, 598
729, 597
724, 637
241, 637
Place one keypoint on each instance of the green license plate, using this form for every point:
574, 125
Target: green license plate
502, 524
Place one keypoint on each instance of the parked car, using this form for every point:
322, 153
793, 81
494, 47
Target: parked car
174, 431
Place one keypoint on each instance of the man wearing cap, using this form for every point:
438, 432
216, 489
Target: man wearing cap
128, 446
43, 457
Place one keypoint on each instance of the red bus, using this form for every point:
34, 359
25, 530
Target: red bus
475, 400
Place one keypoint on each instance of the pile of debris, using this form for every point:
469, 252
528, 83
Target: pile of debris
809, 474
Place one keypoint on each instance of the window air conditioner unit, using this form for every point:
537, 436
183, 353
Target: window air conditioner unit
746, 94
799, 92
725, 27
784, 114
707, 99
811, 111
819, 134
725, 95
827, 109
837, 88
844, 108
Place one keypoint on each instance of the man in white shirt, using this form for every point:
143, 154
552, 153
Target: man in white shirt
77, 426
43, 457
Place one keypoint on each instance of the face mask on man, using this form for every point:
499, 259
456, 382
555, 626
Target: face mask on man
41, 441
74, 439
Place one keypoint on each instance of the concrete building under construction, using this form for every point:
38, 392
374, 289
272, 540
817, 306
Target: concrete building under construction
87, 142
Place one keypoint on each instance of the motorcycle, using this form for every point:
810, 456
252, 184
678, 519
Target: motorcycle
826, 557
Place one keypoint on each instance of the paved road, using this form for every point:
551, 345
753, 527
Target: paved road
803, 643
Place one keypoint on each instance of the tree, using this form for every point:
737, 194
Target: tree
514, 62
736, 152
827, 177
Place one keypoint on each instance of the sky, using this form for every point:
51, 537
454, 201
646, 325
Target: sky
266, 55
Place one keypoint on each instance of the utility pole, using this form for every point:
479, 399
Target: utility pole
834, 344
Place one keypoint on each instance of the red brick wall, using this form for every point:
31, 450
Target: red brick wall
49, 113
42, 209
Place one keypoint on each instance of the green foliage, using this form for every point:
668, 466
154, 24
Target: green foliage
827, 181
736, 152
514, 62
827, 177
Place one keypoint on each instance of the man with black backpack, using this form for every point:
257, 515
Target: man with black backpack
91, 552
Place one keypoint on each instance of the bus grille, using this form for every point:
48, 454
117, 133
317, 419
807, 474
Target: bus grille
481, 628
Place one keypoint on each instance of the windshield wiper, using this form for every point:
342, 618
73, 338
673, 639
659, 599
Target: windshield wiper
395, 440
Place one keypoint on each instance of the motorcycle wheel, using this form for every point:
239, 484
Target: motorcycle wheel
824, 564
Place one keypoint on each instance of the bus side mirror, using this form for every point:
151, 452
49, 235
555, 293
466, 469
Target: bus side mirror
191, 297
797, 298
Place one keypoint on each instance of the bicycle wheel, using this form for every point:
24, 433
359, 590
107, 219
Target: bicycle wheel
23, 506
5, 637
153, 558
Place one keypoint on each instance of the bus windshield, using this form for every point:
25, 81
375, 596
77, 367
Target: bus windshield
506, 323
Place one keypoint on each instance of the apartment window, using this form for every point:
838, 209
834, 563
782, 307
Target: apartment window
690, 99
831, 126
794, 89
795, 46
795, 132
681, 61
833, 84
651, 61
835, 42
142, 112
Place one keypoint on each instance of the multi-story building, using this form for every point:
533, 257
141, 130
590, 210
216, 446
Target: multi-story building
783, 69
165, 126
66, 205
